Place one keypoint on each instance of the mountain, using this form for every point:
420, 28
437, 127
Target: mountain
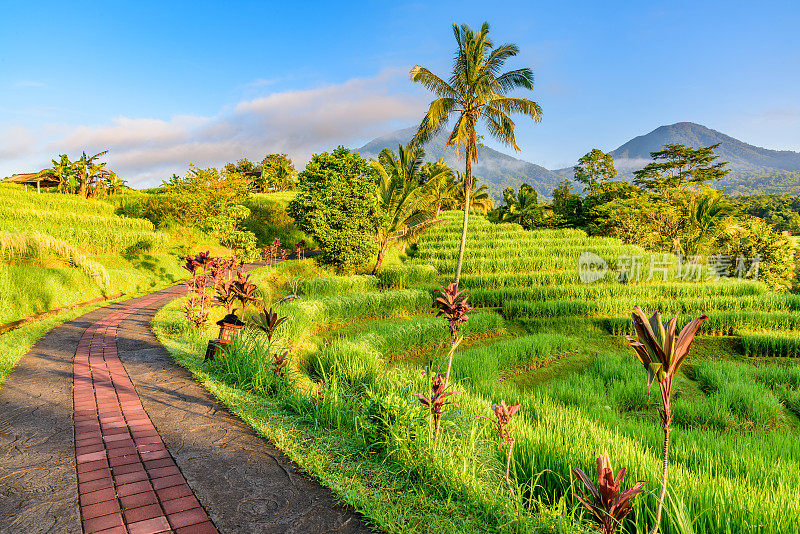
494, 169
752, 169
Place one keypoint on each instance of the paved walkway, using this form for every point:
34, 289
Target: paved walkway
137, 446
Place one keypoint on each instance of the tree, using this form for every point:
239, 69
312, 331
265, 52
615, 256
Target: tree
567, 207
479, 199
400, 215
594, 170
709, 211
89, 171
521, 208
475, 93
439, 184
277, 173
337, 205
677, 166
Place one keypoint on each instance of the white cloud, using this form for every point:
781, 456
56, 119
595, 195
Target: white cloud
146, 150
16, 142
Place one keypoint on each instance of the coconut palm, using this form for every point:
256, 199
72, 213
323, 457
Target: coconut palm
475, 93
477, 196
520, 207
439, 181
708, 214
401, 217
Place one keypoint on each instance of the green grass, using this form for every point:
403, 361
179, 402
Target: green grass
735, 459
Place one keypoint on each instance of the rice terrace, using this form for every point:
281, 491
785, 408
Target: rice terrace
267, 319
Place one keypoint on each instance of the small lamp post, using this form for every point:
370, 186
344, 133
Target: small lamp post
228, 326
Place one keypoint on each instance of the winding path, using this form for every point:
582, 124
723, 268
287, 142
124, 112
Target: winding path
100, 431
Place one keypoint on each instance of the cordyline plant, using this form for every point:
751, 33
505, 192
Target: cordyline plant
437, 400
607, 503
268, 322
197, 306
503, 415
299, 248
270, 253
225, 296
280, 363
661, 353
452, 305
245, 291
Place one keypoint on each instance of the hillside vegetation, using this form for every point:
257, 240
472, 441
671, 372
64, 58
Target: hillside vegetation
362, 345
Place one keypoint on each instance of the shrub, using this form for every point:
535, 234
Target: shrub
337, 206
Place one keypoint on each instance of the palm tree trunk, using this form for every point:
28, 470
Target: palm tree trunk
663, 493
467, 191
381, 254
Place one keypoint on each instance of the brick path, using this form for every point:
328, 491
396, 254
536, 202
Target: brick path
100, 431
126, 476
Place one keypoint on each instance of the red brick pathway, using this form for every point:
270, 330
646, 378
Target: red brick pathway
127, 480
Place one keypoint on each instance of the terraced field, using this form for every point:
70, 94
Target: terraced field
542, 338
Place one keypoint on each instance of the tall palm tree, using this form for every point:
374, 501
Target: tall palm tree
401, 216
439, 181
475, 93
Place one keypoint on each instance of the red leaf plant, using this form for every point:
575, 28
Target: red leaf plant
606, 502
281, 363
197, 306
268, 322
452, 305
437, 400
661, 353
299, 248
503, 415
245, 291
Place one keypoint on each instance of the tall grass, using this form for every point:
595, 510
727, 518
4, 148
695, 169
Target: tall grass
38, 245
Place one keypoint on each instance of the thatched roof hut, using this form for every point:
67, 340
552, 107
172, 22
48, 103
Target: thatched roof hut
38, 178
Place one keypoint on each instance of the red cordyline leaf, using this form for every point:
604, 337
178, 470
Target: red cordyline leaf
606, 503
452, 304
656, 346
503, 415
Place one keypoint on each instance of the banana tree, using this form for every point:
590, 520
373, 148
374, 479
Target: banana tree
662, 353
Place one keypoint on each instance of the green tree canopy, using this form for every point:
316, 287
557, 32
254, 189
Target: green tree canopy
594, 170
522, 207
337, 205
401, 202
677, 166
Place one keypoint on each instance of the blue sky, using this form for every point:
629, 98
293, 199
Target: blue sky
165, 84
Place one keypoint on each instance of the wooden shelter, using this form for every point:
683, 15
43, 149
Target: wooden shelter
38, 178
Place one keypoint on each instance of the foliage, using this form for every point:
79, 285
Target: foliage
521, 208
661, 354
567, 207
475, 91
677, 166
437, 401
754, 239
401, 216
595, 170
439, 184
607, 502
337, 206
